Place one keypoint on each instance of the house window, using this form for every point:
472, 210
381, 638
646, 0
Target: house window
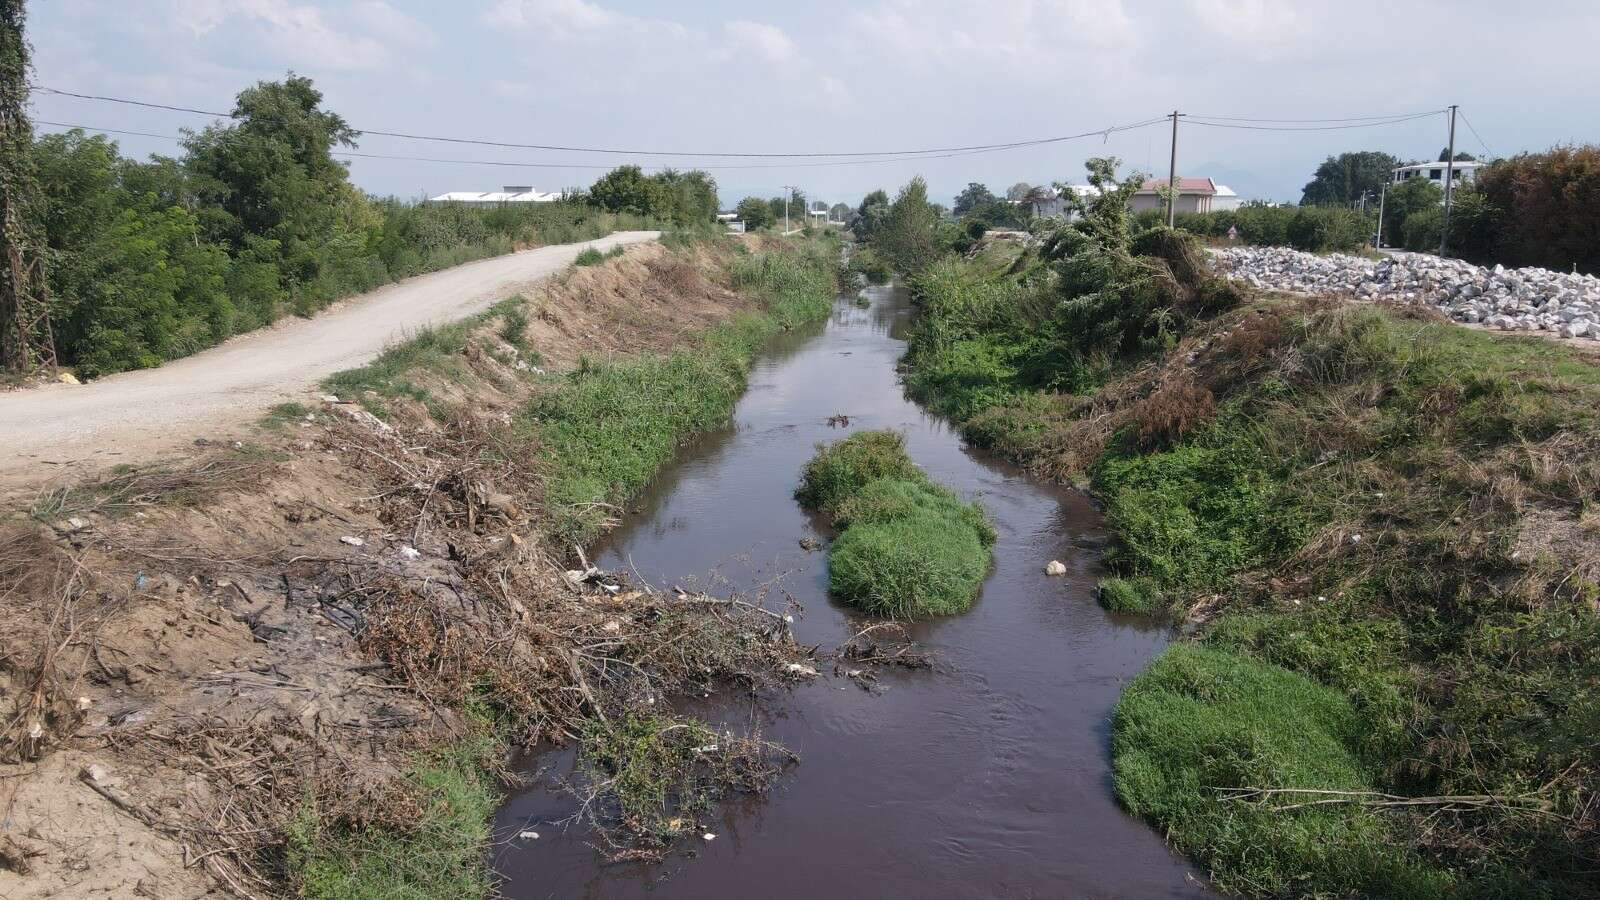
1434, 174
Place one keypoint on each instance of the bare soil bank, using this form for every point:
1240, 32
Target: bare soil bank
191, 648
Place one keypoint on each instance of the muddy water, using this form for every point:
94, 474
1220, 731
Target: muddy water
985, 777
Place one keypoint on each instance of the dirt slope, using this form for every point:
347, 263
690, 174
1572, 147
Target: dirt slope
123, 417
186, 637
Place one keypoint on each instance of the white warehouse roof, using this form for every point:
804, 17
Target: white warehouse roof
509, 194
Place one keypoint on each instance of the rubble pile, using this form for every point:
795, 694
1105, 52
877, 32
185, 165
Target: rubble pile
1509, 299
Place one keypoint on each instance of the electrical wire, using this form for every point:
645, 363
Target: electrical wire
351, 154
929, 151
1474, 131
1393, 121
1316, 121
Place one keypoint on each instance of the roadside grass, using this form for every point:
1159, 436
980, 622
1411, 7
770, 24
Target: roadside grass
606, 428
908, 547
592, 256
1360, 503
439, 852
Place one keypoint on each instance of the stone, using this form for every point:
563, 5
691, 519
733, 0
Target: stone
1055, 567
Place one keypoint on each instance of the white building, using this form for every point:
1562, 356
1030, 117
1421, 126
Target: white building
1465, 172
1049, 203
1195, 195
1225, 198
511, 193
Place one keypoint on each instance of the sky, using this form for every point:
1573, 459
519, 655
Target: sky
843, 76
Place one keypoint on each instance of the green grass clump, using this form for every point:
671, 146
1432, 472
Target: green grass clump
1132, 596
843, 468
605, 429
1192, 516
593, 257
889, 498
908, 547
440, 854
919, 565
1201, 722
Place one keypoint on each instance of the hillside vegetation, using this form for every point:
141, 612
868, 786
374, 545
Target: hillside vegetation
1380, 525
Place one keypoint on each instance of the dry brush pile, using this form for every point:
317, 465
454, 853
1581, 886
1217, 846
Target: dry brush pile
256, 650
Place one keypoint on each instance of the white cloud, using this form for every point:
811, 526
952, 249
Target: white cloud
559, 16
358, 37
766, 41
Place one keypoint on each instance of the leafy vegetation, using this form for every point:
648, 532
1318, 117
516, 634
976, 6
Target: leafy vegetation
593, 257
1314, 229
150, 261
438, 853
606, 428
1380, 524
1347, 178
908, 547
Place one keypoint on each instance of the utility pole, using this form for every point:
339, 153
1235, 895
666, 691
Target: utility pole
786, 197
1382, 196
1449, 180
1172, 176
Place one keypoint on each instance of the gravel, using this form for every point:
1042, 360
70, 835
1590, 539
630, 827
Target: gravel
1528, 299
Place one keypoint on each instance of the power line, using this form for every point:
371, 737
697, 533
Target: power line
512, 164
1371, 124
1475, 134
1034, 142
1310, 121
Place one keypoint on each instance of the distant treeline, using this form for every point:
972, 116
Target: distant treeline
151, 261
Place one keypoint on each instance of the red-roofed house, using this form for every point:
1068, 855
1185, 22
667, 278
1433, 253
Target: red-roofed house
1194, 195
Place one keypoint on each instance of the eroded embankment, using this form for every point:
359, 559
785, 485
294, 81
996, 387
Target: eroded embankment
1379, 526
290, 660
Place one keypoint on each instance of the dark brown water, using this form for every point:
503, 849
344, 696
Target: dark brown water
988, 776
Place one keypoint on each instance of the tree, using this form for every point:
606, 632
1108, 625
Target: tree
1348, 176
1444, 156
26, 341
626, 189
974, 196
870, 215
270, 173
794, 207
689, 198
754, 212
1019, 191
908, 235
1409, 197
839, 212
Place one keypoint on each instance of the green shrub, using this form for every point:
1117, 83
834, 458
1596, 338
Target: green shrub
1133, 596
589, 257
840, 470
920, 565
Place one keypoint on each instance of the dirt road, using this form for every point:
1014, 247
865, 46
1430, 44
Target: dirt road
131, 416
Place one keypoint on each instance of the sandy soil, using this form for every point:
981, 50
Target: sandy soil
136, 414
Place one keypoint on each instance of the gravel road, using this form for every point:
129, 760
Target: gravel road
126, 417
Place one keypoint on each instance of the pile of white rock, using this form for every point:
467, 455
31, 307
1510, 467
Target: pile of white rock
1508, 299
